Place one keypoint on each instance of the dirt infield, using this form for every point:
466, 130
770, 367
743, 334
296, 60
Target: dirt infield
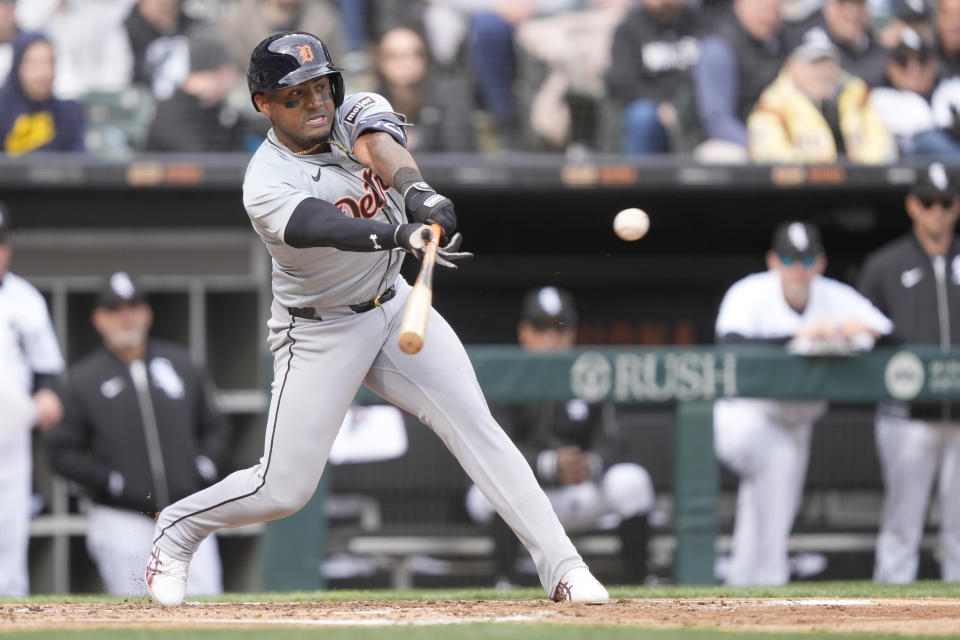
927, 616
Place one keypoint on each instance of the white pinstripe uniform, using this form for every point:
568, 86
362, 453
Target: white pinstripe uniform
320, 362
28, 345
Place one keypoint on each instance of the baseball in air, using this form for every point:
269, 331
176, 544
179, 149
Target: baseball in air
631, 224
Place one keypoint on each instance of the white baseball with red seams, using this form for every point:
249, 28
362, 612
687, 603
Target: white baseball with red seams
631, 224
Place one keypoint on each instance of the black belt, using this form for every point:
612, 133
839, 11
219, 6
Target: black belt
310, 312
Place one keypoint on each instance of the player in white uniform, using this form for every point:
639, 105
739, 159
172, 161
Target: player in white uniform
767, 442
329, 192
29, 360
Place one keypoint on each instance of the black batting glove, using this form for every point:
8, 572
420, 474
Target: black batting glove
426, 205
414, 237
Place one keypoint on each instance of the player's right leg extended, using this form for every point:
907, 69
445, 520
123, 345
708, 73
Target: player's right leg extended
318, 367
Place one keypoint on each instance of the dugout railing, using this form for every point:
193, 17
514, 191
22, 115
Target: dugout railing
691, 379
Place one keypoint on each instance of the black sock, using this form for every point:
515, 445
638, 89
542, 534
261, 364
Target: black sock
634, 534
504, 549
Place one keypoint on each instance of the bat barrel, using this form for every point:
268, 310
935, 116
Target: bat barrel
410, 342
413, 328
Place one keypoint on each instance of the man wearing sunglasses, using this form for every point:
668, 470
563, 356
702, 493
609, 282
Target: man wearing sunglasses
919, 105
916, 281
767, 442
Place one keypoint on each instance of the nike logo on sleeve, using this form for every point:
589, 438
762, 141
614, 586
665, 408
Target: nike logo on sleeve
316, 178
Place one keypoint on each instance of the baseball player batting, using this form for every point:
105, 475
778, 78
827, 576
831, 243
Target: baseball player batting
339, 201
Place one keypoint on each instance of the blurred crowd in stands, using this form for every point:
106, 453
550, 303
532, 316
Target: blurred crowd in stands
724, 80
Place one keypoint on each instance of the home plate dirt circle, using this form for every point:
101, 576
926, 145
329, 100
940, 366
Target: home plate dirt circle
915, 616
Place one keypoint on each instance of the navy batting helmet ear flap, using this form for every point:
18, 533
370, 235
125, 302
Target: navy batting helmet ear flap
288, 58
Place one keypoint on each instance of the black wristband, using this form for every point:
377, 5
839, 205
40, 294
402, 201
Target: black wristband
404, 177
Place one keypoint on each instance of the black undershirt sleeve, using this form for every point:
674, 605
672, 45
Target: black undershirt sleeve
318, 223
44, 381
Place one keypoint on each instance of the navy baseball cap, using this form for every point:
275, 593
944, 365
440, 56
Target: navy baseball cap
120, 289
933, 180
549, 307
796, 239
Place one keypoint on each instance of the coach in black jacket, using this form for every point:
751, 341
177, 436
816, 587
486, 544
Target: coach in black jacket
139, 432
915, 281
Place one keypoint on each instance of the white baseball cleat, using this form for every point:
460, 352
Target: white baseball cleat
579, 585
166, 578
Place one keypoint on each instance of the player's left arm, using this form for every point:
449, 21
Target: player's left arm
381, 151
43, 353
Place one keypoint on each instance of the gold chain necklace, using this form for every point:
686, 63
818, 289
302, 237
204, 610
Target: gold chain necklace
310, 150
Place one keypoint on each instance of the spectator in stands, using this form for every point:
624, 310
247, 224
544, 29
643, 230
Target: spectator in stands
31, 118
250, 21
197, 116
575, 452
767, 442
8, 33
915, 14
847, 24
567, 106
914, 280
817, 112
139, 431
91, 44
947, 25
655, 49
30, 361
919, 107
738, 60
355, 17
157, 30
436, 103
489, 28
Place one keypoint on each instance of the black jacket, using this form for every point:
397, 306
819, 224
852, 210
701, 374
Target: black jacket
653, 61
758, 62
103, 429
542, 427
183, 124
867, 59
899, 279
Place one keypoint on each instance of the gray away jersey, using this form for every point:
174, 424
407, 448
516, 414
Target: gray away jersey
277, 180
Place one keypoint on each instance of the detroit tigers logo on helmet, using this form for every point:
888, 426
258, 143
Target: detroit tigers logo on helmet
305, 53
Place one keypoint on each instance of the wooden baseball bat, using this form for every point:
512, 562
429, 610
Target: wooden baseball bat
415, 316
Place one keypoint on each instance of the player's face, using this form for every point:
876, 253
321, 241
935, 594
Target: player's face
546, 337
796, 272
934, 215
123, 326
302, 115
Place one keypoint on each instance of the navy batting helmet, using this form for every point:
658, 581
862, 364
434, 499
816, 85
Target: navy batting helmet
288, 58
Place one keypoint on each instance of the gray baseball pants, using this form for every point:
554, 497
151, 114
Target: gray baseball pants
318, 368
